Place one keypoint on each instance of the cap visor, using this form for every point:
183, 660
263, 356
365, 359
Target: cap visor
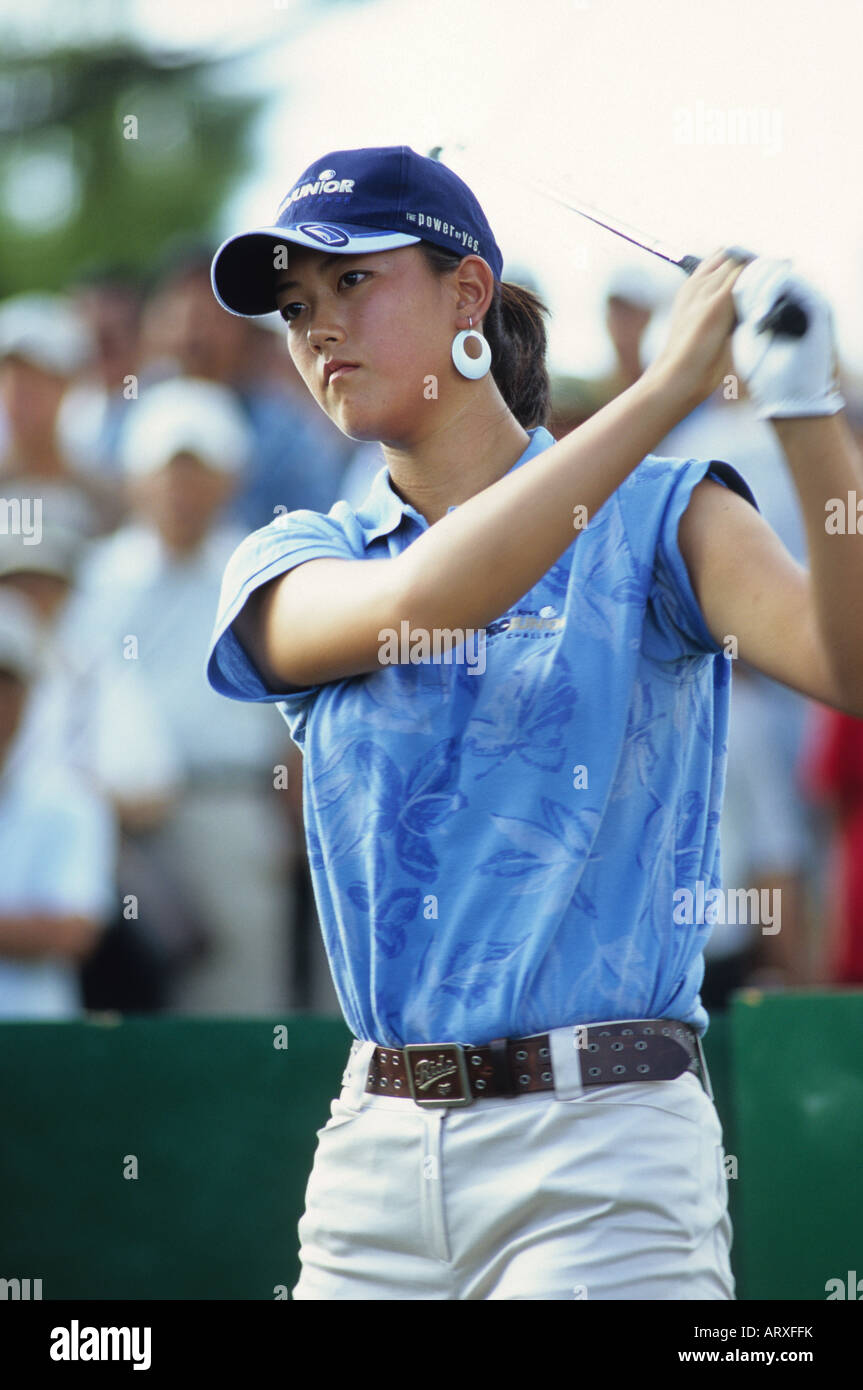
243, 273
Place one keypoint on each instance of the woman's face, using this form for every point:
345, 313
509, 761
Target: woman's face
182, 500
385, 311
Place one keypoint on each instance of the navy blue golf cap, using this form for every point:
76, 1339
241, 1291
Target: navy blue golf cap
351, 202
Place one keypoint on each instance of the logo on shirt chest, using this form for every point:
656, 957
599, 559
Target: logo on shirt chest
528, 622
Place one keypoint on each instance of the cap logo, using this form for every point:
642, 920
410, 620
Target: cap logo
319, 231
326, 182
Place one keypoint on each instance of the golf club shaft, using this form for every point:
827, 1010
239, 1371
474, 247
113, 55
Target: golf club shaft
785, 319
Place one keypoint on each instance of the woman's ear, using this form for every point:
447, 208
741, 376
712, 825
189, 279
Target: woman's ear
475, 287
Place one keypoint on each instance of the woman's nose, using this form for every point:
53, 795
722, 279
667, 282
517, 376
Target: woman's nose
324, 332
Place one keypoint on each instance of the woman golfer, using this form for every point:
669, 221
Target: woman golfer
509, 671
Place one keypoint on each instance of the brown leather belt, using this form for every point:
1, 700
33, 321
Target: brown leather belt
641, 1049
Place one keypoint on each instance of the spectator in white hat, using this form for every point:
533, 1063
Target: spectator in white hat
43, 346
57, 849
81, 713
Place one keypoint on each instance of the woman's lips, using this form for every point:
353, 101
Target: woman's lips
340, 371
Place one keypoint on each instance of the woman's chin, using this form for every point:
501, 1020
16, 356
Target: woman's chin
359, 424
362, 434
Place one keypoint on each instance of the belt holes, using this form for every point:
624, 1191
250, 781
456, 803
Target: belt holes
521, 1056
640, 1046
480, 1085
617, 1047
666, 1032
383, 1056
546, 1076
476, 1061
642, 1067
543, 1052
524, 1079
397, 1084
627, 1032
647, 1030
605, 1033
384, 1081
619, 1069
593, 1047
593, 1071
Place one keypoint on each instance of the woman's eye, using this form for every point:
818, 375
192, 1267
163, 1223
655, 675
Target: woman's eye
286, 310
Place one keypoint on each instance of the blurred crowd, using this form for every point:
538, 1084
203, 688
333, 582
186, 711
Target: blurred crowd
152, 854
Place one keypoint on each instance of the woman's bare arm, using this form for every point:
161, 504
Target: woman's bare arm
324, 619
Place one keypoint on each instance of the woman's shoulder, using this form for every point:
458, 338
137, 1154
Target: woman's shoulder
660, 477
292, 528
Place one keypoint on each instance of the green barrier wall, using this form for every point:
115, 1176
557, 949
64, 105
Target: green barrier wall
221, 1122
222, 1126
797, 1068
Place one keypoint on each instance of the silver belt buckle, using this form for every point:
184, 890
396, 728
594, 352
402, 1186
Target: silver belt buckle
435, 1071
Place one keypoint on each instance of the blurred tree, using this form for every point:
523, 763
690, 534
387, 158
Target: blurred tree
108, 153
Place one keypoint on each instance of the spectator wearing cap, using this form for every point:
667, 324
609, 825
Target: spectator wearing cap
297, 457
57, 849
82, 713
148, 596
631, 297
43, 346
44, 574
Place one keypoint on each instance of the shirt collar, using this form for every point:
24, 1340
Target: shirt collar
383, 510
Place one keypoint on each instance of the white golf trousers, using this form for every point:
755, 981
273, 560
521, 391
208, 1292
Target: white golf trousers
603, 1192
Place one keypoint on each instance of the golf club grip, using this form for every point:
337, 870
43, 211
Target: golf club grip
786, 319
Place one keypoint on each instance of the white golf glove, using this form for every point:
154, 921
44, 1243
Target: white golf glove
785, 377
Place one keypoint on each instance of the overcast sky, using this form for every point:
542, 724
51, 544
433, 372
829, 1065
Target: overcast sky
701, 124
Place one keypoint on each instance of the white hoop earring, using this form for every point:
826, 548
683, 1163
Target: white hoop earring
471, 367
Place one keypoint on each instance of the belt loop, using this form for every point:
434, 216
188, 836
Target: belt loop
566, 1061
357, 1073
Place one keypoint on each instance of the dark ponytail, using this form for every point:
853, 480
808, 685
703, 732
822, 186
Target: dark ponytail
515, 330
